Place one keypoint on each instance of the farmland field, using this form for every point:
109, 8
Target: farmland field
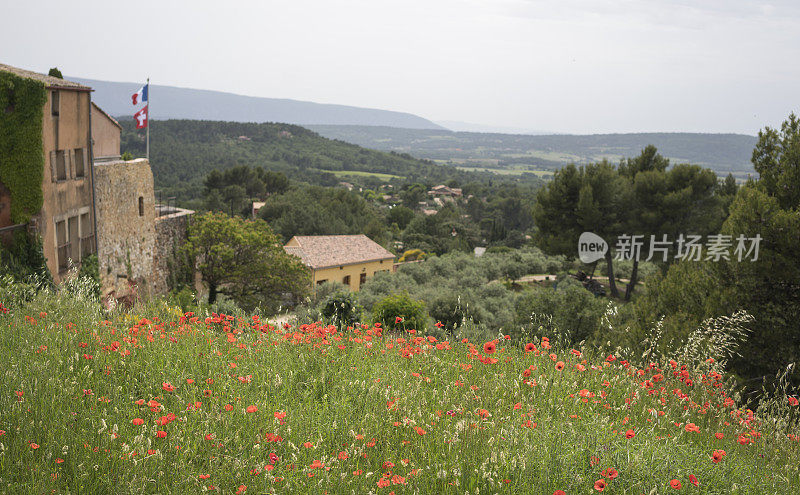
156, 401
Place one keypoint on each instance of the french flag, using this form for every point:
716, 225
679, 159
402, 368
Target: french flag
141, 95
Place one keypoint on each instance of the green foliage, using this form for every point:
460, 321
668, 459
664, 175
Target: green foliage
232, 188
454, 311
90, 269
183, 152
25, 261
462, 285
54, 72
640, 197
127, 156
342, 309
567, 313
314, 210
412, 255
777, 160
21, 151
244, 260
767, 288
400, 215
400, 305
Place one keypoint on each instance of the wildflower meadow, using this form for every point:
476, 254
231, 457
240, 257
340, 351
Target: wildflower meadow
156, 401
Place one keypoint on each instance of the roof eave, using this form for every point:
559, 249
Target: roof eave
351, 263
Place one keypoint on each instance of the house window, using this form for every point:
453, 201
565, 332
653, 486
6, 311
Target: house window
141, 206
63, 247
80, 169
346, 280
61, 165
74, 239
54, 103
362, 279
320, 282
87, 235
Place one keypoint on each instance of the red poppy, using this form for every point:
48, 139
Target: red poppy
717, 455
252, 409
630, 434
560, 365
161, 433
530, 347
34, 446
137, 421
600, 485
559, 492
489, 347
693, 480
676, 484
168, 387
793, 401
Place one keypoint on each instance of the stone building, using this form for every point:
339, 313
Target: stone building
95, 202
349, 259
66, 220
105, 136
126, 217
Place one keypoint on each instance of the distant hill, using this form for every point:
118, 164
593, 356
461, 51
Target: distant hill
170, 102
182, 152
519, 152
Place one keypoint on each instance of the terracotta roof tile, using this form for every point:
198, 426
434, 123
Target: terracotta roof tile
49, 81
322, 251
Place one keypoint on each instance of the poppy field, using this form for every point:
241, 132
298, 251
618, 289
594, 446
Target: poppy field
164, 402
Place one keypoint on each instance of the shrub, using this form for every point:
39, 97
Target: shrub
342, 309
410, 311
568, 312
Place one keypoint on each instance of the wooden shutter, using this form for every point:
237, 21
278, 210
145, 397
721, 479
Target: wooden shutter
68, 156
53, 166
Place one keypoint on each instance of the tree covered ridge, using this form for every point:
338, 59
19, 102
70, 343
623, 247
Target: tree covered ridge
182, 152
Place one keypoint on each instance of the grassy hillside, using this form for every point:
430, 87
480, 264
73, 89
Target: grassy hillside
154, 401
182, 152
722, 152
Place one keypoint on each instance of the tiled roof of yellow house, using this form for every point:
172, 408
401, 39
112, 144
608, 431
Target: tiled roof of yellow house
49, 81
323, 251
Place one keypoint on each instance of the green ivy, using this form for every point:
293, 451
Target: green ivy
21, 154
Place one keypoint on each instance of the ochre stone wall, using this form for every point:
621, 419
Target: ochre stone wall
170, 235
126, 215
106, 135
67, 199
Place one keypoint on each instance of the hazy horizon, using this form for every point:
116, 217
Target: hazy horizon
558, 67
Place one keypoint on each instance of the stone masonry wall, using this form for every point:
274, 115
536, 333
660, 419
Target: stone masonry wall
125, 226
170, 235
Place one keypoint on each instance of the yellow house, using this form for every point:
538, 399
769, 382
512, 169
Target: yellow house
349, 259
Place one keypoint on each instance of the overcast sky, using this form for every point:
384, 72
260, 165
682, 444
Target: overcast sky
591, 66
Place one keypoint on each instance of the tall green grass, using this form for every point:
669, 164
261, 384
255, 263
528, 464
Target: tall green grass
380, 413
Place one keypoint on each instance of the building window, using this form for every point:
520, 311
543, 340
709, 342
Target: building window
362, 279
320, 282
346, 280
63, 247
54, 103
80, 169
87, 235
141, 206
74, 239
61, 165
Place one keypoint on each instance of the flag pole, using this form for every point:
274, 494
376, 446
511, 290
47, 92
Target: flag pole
148, 119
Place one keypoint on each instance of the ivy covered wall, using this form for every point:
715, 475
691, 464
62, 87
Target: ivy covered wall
21, 154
